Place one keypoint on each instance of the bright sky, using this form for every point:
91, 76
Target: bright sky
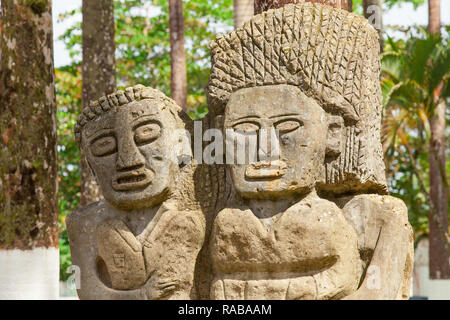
404, 15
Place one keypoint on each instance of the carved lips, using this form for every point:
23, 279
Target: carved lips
266, 170
132, 180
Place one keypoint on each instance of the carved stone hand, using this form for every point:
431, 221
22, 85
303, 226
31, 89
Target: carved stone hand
157, 288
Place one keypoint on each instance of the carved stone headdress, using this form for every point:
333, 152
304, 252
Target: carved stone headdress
331, 55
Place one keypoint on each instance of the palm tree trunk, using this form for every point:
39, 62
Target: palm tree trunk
434, 16
29, 255
243, 11
439, 253
373, 11
99, 73
264, 5
178, 85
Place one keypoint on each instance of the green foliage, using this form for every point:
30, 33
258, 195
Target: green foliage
68, 99
143, 45
415, 79
142, 56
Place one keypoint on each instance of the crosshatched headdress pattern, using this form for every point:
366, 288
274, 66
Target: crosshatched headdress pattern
331, 55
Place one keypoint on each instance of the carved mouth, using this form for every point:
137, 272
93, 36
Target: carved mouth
266, 170
132, 180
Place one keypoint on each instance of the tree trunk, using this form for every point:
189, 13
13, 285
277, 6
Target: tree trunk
29, 255
439, 254
242, 11
438, 217
99, 73
264, 5
178, 85
434, 16
373, 11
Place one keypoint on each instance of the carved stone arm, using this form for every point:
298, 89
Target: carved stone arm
168, 277
385, 243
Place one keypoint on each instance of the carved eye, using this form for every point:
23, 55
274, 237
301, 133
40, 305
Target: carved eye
146, 133
104, 146
286, 126
247, 127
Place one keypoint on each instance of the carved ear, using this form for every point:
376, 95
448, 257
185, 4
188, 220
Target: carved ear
183, 150
334, 135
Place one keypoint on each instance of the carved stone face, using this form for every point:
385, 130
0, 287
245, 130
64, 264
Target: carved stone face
302, 127
130, 152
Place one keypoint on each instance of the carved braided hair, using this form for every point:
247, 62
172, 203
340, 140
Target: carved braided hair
109, 102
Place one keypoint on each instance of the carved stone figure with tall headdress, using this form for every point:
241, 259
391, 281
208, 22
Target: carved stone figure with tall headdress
311, 220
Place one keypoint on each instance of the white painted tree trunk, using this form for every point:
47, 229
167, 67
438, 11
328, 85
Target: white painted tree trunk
29, 274
29, 254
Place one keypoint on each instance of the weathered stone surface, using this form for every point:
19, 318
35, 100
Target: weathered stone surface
277, 231
385, 243
299, 210
142, 242
310, 72
305, 251
264, 5
332, 56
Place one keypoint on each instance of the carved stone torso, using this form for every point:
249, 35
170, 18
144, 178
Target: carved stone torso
260, 257
120, 255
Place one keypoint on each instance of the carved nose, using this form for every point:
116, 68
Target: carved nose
268, 145
128, 156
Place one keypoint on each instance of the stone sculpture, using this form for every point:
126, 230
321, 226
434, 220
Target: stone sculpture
287, 232
142, 241
304, 214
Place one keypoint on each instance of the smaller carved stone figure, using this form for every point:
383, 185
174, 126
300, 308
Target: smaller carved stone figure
140, 242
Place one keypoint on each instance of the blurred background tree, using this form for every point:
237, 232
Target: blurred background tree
98, 72
68, 101
415, 82
178, 74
